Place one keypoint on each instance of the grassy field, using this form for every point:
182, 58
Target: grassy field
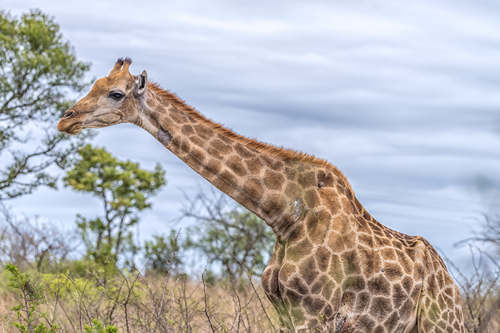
135, 303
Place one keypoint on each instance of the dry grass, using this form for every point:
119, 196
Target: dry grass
152, 304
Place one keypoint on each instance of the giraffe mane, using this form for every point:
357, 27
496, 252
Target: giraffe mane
285, 153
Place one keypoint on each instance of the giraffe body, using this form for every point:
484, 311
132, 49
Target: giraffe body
334, 267
341, 270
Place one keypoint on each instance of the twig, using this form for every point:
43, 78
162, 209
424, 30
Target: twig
130, 287
260, 301
205, 301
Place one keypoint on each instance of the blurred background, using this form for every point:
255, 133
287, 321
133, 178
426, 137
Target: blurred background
402, 97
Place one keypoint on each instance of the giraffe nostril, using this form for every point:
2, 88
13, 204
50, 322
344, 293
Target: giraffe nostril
68, 114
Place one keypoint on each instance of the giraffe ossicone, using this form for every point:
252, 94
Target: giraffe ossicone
334, 268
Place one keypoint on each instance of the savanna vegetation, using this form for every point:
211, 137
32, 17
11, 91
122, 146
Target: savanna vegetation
94, 275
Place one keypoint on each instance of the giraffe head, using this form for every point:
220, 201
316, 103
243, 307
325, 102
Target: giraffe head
112, 100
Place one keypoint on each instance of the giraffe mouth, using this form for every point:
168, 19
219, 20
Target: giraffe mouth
72, 129
75, 129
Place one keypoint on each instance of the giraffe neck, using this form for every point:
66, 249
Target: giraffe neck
263, 178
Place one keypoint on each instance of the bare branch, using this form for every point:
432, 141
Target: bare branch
205, 303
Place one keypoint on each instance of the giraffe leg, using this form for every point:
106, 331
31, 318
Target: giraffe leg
270, 284
271, 288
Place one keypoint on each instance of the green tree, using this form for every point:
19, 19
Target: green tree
162, 254
124, 189
229, 236
38, 71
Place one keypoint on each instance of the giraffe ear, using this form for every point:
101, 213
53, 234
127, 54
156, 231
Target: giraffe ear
141, 82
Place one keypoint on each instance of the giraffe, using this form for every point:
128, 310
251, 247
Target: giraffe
334, 268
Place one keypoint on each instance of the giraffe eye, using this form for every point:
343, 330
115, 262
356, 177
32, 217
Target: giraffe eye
116, 95
68, 114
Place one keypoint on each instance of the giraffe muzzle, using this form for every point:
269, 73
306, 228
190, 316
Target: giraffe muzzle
72, 128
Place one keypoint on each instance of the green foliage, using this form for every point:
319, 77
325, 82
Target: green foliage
162, 254
233, 238
96, 295
30, 296
124, 189
38, 71
98, 327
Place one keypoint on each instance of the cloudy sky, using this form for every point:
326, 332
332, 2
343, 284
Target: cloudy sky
403, 97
